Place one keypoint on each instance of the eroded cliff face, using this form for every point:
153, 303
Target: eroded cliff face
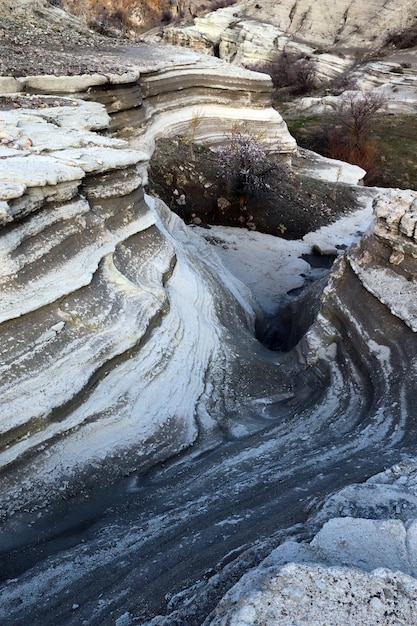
125, 341
99, 298
231, 34
346, 23
367, 317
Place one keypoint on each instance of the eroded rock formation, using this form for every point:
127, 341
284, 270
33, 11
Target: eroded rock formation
90, 274
229, 34
349, 23
360, 567
125, 341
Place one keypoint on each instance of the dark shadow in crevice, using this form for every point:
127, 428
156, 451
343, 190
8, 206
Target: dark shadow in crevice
283, 331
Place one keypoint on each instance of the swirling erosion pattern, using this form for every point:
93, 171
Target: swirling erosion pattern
336, 409
149, 443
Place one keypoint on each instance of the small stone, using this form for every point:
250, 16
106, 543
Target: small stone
58, 327
396, 257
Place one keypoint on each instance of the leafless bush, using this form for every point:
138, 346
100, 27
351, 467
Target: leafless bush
291, 70
344, 82
244, 164
404, 39
358, 111
351, 138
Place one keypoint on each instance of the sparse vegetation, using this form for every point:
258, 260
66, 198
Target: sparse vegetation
403, 39
347, 134
395, 136
288, 206
292, 72
118, 17
195, 123
244, 164
351, 139
107, 17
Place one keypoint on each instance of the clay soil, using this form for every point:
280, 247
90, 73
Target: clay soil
35, 40
189, 182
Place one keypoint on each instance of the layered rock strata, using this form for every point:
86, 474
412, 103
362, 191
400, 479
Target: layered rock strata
361, 346
165, 90
360, 567
83, 269
90, 274
230, 35
387, 79
349, 23
124, 341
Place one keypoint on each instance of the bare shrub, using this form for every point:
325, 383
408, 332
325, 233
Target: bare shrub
291, 70
244, 164
358, 111
194, 125
404, 39
351, 138
344, 82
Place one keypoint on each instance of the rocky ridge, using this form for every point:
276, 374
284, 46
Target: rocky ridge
360, 567
125, 340
235, 35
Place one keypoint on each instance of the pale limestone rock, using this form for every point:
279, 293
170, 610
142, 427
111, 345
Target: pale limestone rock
367, 544
62, 84
78, 115
82, 283
345, 23
189, 37
332, 170
316, 595
99, 158
391, 286
214, 24
52, 84
5, 217
11, 190
225, 95
34, 171
248, 42
10, 85
395, 211
131, 76
356, 570
409, 220
163, 101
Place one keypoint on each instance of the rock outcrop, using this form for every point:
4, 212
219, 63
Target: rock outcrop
125, 342
359, 568
90, 272
349, 23
230, 35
